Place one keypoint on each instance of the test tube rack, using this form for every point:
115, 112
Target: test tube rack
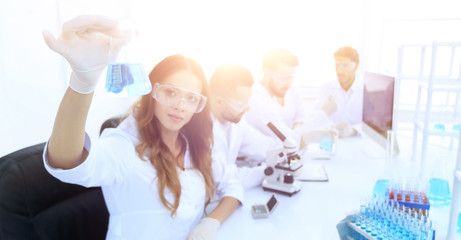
363, 233
359, 233
379, 220
414, 201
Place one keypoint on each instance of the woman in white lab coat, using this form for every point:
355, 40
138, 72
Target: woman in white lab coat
155, 168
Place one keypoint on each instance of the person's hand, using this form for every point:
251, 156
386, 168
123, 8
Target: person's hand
88, 43
205, 230
345, 130
329, 106
334, 132
297, 125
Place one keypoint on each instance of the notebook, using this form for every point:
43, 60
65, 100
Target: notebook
312, 172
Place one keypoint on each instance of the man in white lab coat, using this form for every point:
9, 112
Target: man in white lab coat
341, 100
234, 138
274, 100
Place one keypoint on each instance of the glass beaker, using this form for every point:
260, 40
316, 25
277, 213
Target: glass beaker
458, 221
438, 189
455, 211
126, 78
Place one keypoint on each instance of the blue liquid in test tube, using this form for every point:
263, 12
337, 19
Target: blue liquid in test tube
127, 79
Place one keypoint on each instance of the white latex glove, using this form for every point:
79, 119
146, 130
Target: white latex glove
316, 136
205, 230
329, 106
88, 43
345, 130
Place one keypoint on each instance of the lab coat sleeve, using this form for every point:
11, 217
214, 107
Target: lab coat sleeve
317, 118
251, 177
107, 161
220, 146
301, 113
261, 113
323, 94
254, 144
226, 182
246, 176
349, 110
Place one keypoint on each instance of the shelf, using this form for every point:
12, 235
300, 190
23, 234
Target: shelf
450, 132
442, 86
437, 79
440, 44
440, 120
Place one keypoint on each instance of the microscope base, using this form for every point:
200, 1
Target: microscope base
286, 189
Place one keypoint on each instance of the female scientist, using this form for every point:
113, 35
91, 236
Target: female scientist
155, 168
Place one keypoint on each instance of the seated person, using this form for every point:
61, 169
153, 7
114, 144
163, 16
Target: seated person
230, 87
341, 100
155, 169
274, 100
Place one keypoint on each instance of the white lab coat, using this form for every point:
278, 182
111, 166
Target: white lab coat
264, 108
130, 188
232, 140
349, 104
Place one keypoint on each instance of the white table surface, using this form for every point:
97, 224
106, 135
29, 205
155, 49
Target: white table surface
313, 213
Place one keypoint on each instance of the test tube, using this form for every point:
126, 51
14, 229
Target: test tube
399, 192
363, 212
431, 230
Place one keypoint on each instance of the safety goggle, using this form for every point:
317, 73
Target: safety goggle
346, 65
238, 106
170, 95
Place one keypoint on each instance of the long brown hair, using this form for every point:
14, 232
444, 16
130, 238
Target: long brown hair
198, 132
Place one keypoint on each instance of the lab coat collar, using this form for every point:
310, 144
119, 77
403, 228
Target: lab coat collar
357, 85
129, 126
261, 90
216, 120
258, 87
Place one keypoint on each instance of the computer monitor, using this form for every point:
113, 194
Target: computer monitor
378, 112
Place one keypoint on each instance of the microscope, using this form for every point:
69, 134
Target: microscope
282, 166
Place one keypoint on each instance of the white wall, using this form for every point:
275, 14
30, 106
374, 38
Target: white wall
30, 78
33, 78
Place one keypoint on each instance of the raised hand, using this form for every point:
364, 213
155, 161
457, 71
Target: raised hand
88, 43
